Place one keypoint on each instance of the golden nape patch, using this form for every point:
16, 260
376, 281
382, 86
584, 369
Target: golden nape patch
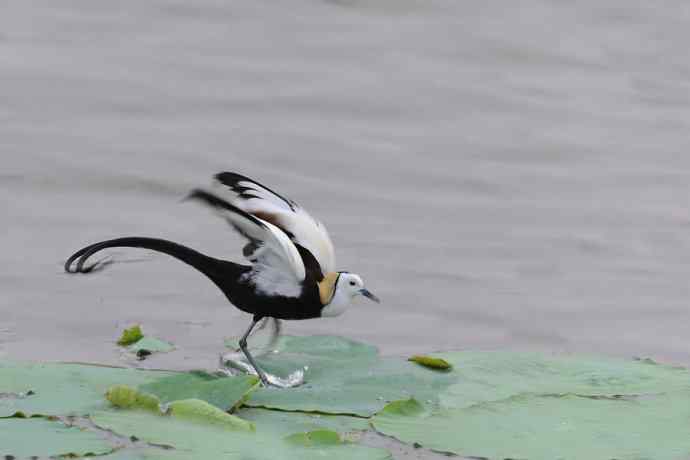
327, 287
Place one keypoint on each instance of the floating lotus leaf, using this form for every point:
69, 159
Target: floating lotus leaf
491, 376
62, 389
524, 405
223, 392
196, 410
343, 377
39, 437
491, 404
286, 423
142, 451
200, 440
315, 438
430, 362
327, 347
146, 453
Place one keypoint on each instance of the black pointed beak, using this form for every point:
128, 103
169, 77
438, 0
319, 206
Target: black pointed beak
366, 293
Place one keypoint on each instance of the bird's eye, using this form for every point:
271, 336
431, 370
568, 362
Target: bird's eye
352, 283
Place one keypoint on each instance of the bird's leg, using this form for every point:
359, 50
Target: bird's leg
294, 379
243, 347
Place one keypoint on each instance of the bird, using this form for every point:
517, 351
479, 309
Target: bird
289, 271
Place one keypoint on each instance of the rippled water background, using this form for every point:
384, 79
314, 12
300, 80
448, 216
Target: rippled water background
510, 175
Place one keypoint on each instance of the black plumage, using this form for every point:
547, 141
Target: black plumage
229, 277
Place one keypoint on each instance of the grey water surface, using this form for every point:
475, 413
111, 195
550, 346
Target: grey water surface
504, 175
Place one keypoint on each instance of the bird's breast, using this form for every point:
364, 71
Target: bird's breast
247, 297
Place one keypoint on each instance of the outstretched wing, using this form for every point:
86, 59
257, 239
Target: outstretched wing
278, 266
302, 229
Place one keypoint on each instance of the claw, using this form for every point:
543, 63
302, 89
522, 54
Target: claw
234, 362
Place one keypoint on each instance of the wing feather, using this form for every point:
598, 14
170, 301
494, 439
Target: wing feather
274, 250
260, 201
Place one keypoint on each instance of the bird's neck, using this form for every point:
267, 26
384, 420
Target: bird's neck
327, 287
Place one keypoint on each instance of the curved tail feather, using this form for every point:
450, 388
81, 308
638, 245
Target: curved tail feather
221, 272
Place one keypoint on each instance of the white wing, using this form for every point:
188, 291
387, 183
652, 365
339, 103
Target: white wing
278, 267
263, 203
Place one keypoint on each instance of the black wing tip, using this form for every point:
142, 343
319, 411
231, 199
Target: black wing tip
209, 199
231, 179
206, 197
218, 203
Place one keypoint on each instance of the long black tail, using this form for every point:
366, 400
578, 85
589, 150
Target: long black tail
221, 272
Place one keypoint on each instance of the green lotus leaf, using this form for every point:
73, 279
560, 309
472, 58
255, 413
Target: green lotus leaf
199, 411
547, 427
193, 440
130, 335
327, 346
431, 362
39, 437
145, 453
315, 438
404, 407
492, 376
62, 389
344, 377
223, 392
152, 345
126, 397
526, 405
196, 410
278, 424
286, 423
490, 404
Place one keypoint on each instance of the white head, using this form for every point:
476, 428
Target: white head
347, 287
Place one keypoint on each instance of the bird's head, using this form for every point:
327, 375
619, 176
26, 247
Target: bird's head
345, 287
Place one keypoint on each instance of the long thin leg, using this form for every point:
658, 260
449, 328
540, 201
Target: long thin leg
243, 347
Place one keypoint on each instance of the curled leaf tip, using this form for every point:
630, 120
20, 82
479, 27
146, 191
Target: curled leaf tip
126, 397
198, 411
130, 335
430, 362
405, 407
315, 438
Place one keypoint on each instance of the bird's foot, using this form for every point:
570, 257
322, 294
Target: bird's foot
232, 364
